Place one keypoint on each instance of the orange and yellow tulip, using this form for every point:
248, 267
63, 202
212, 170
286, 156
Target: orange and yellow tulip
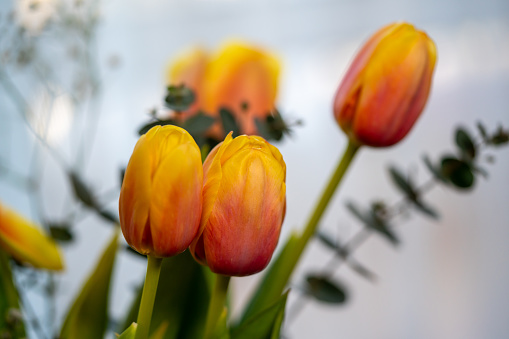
244, 205
161, 197
239, 74
26, 242
386, 87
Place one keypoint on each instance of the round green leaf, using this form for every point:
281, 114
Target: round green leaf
323, 289
457, 172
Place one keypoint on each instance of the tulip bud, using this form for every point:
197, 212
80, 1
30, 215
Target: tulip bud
386, 87
26, 243
161, 197
243, 206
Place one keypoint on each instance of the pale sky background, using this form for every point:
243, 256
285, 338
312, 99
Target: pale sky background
448, 279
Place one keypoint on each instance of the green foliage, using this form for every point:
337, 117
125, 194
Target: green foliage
458, 172
88, 316
373, 221
61, 232
179, 98
323, 289
198, 124
81, 191
11, 321
229, 122
265, 324
273, 127
182, 299
466, 144
412, 194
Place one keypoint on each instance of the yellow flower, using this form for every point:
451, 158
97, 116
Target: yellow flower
241, 78
161, 197
26, 242
387, 85
244, 205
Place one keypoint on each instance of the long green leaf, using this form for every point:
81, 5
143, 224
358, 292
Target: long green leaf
88, 316
264, 325
9, 302
182, 299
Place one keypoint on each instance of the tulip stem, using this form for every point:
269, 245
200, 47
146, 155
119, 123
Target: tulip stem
148, 296
217, 304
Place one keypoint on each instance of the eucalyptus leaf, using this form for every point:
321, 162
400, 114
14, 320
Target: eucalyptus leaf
179, 98
435, 170
370, 220
198, 124
458, 172
81, 191
229, 122
465, 143
323, 289
61, 233
482, 130
265, 324
88, 316
403, 183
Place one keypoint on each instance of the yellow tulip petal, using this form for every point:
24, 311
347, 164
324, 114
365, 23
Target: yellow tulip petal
27, 243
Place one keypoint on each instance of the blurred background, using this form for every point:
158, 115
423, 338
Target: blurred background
88, 73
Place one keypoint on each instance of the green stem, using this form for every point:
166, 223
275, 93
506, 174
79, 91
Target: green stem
148, 296
217, 303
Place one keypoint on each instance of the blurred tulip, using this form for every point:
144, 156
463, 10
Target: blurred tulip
25, 242
240, 77
386, 87
243, 206
161, 197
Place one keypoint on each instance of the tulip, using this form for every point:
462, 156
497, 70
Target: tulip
241, 78
26, 242
160, 200
243, 206
386, 87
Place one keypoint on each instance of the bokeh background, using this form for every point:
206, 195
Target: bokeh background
447, 279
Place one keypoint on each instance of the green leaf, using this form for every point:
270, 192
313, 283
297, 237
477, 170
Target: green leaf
323, 289
402, 183
108, 216
465, 143
88, 316
198, 124
482, 131
81, 191
229, 122
458, 172
370, 220
435, 170
264, 324
61, 232
501, 137
333, 245
11, 322
145, 128
424, 208
129, 333
182, 298
274, 282
179, 98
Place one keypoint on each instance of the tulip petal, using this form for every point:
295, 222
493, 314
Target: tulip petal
177, 206
27, 243
242, 74
243, 230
